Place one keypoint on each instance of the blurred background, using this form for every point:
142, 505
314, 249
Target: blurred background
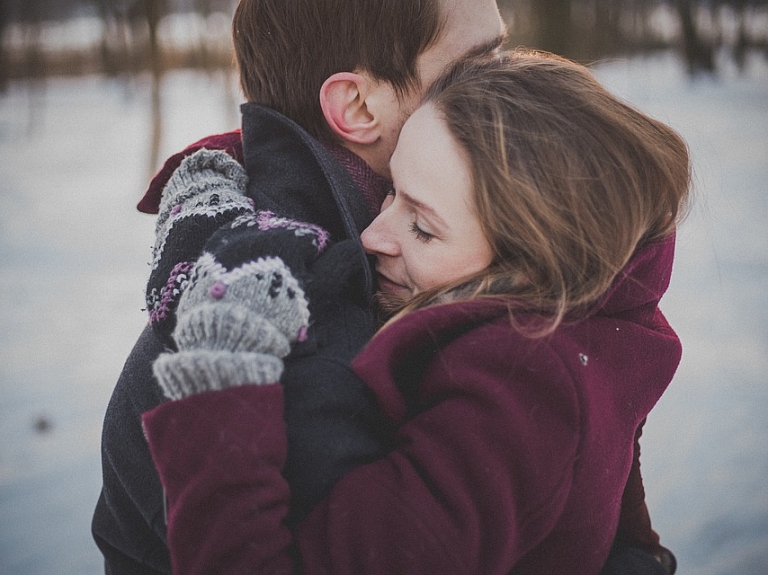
94, 94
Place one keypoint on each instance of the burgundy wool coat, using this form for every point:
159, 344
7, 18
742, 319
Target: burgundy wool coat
508, 454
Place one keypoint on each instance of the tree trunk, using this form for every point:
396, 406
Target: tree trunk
3, 64
698, 55
607, 34
554, 25
153, 11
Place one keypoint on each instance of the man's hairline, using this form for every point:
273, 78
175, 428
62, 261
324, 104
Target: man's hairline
483, 48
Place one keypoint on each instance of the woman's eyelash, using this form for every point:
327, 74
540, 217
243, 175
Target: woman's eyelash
420, 234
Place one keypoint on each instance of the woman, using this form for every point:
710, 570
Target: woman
523, 252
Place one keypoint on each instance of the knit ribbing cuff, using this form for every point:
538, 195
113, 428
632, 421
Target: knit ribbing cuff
230, 327
186, 373
205, 171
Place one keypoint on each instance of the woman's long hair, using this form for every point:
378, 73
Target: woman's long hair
568, 180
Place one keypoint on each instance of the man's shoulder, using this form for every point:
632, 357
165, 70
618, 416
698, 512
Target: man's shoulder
230, 142
136, 390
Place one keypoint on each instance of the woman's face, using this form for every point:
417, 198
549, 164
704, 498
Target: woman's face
428, 233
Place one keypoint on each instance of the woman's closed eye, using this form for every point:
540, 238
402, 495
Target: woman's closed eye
420, 234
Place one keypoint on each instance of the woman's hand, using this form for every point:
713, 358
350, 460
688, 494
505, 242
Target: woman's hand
242, 307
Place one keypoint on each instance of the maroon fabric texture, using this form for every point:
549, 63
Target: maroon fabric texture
240, 452
635, 520
373, 187
510, 454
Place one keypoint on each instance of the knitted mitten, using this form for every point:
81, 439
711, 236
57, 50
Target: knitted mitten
326, 272
205, 192
234, 326
262, 234
243, 305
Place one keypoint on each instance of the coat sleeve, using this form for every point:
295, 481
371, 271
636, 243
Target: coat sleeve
220, 455
477, 477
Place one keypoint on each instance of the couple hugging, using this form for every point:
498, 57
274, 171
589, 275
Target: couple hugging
406, 320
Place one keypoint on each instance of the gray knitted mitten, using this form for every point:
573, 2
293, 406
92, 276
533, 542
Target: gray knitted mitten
203, 183
207, 191
233, 327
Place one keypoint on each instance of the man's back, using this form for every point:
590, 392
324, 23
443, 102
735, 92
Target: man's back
332, 423
129, 521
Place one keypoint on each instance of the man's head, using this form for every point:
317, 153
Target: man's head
352, 71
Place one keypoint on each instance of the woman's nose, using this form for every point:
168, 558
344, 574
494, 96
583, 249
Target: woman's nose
377, 239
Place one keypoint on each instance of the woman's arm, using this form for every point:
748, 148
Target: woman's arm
219, 457
464, 490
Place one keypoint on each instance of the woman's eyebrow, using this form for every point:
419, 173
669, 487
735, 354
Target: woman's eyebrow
426, 208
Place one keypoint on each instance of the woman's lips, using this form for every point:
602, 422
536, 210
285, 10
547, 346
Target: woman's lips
387, 285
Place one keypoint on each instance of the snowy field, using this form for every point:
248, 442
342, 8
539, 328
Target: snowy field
73, 260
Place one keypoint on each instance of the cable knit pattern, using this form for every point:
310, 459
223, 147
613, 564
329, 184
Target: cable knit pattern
184, 374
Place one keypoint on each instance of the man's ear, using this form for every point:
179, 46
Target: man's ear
343, 101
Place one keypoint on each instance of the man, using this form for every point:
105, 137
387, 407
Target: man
349, 73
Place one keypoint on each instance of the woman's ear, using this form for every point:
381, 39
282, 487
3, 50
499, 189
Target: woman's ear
343, 99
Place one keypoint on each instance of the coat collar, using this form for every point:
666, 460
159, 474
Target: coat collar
642, 282
634, 295
291, 173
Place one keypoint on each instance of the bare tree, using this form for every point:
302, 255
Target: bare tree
742, 42
4, 15
699, 54
153, 11
607, 33
553, 25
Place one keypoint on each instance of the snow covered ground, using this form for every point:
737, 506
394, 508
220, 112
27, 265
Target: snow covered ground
706, 445
73, 252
